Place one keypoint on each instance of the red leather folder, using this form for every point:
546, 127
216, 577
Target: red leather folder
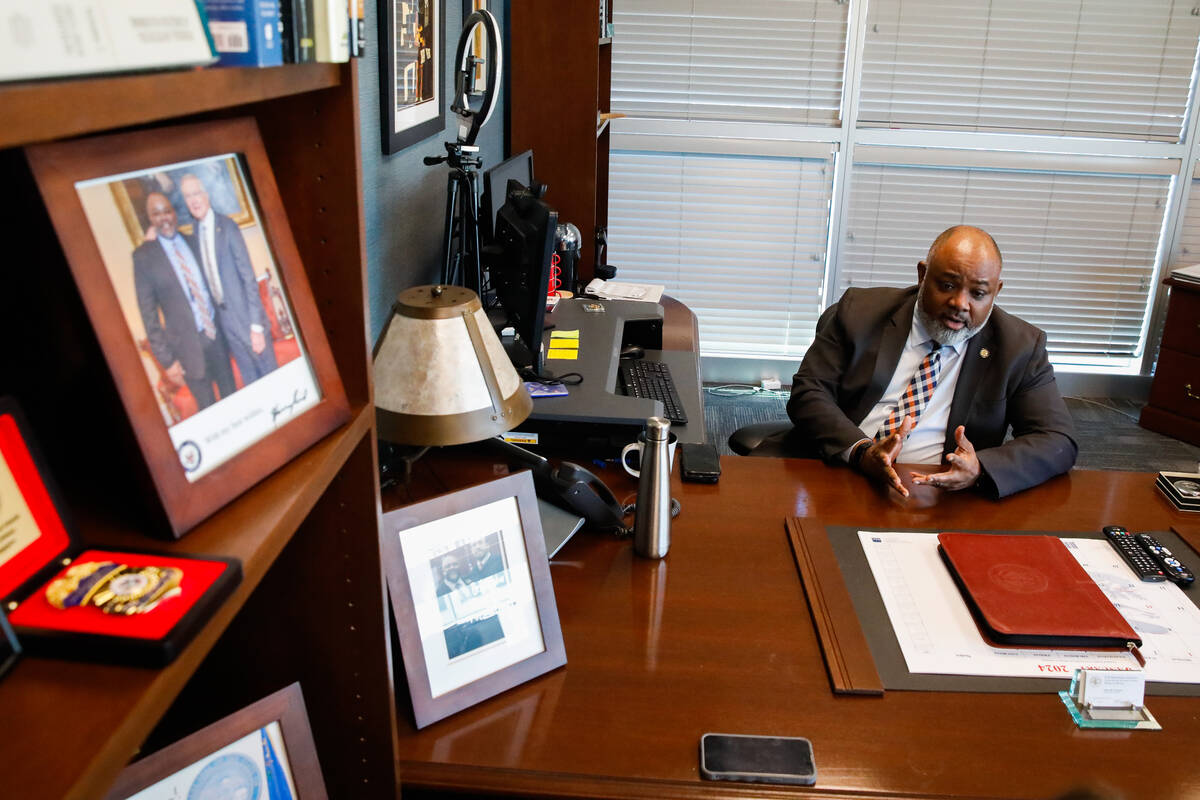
1030, 590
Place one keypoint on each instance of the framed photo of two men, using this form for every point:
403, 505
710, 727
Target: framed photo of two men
180, 247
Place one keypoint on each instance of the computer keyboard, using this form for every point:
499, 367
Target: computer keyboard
652, 379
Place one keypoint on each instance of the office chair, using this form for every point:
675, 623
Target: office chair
775, 439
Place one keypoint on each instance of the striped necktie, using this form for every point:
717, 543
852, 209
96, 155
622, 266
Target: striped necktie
198, 299
917, 395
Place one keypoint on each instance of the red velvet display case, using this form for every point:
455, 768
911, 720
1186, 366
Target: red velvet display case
66, 599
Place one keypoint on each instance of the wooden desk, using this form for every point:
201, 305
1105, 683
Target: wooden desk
718, 637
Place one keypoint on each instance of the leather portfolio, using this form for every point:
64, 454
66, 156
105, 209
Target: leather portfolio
1030, 590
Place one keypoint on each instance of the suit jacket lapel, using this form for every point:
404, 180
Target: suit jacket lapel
969, 376
894, 334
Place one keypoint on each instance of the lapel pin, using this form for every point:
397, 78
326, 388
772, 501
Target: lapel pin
983, 353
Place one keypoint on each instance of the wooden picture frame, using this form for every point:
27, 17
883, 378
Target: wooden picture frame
412, 71
253, 382
471, 594
226, 750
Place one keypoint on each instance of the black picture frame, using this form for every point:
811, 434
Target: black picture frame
404, 126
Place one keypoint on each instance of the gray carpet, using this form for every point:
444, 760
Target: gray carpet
1109, 436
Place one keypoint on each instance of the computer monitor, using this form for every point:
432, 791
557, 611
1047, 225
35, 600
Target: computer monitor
522, 250
495, 188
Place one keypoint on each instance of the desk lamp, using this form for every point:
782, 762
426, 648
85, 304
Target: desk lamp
441, 374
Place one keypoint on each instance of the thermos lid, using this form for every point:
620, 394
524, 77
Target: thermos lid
657, 429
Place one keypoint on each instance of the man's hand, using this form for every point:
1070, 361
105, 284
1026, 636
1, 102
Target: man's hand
964, 468
258, 341
174, 375
880, 456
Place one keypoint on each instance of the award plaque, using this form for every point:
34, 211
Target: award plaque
63, 599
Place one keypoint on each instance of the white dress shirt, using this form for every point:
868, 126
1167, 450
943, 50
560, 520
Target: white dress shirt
208, 254
926, 442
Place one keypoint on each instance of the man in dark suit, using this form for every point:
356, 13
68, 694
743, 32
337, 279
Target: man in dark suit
935, 374
177, 311
226, 261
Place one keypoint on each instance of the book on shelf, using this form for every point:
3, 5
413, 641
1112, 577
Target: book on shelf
246, 33
358, 28
296, 32
87, 37
332, 30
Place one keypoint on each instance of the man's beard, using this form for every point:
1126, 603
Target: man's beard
941, 333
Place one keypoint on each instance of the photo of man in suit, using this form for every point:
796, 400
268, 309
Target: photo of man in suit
226, 263
934, 374
177, 310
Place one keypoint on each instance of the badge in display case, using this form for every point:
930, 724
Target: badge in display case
64, 599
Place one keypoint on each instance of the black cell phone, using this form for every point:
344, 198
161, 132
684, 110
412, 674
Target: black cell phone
699, 462
757, 759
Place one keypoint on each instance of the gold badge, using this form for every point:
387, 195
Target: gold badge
983, 353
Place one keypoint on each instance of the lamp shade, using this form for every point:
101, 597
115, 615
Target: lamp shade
441, 375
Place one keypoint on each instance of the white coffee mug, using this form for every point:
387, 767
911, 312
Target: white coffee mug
672, 439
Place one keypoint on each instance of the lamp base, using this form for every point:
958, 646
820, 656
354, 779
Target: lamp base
396, 461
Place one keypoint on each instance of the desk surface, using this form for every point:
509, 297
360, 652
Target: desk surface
718, 637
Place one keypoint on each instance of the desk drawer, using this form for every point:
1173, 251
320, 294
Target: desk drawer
1182, 331
1177, 383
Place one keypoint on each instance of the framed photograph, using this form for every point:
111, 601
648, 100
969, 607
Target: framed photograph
264, 751
472, 596
412, 77
180, 246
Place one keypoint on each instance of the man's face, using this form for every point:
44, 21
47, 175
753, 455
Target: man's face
450, 568
958, 288
162, 215
195, 197
478, 549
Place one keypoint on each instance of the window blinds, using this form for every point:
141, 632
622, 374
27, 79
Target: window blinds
739, 239
1079, 248
765, 60
1110, 68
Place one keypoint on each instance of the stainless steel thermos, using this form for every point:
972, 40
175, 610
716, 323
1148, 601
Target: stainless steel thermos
652, 522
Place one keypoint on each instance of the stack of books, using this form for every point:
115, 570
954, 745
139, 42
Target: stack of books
1189, 274
1182, 489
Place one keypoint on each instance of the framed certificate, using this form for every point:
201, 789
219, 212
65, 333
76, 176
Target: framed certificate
266, 750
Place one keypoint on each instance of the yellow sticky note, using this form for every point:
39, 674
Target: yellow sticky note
563, 353
564, 335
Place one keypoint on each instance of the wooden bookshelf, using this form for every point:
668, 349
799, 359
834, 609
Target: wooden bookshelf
561, 76
311, 606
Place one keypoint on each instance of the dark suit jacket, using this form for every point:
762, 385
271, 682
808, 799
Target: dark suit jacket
241, 305
858, 344
174, 337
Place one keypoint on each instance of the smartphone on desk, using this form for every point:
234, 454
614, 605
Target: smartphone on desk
699, 462
757, 759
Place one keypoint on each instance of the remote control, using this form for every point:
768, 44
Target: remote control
1166, 560
1135, 556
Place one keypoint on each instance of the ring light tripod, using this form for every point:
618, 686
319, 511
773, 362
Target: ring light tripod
460, 249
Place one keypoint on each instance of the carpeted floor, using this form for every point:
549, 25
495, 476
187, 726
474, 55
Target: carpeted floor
1109, 436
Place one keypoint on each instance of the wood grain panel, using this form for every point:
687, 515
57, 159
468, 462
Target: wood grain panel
45, 110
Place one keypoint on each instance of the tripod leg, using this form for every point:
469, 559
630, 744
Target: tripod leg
470, 255
448, 269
